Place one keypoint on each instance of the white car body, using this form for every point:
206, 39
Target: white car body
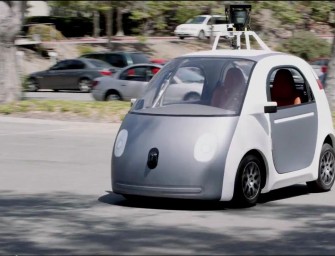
203, 142
202, 29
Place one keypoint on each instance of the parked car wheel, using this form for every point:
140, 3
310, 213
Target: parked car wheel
32, 85
112, 95
84, 84
248, 182
326, 175
201, 35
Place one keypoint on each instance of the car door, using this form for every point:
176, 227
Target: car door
133, 81
52, 78
71, 75
219, 25
294, 127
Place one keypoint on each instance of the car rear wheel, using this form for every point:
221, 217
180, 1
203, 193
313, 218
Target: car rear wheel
326, 174
32, 85
248, 182
113, 95
84, 84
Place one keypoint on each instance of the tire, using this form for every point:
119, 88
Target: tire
248, 182
191, 96
84, 85
32, 85
201, 35
112, 96
326, 172
181, 37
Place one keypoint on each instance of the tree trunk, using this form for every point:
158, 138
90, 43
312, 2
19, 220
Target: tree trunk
330, 79
11, 15
109, 21
96, 22
119, 25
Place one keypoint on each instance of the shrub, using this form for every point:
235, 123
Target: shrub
84, 49
45, 32
306, 45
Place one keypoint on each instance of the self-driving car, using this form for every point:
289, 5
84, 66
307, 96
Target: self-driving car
261, 122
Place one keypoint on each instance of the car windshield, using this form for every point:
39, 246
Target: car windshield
196, 20
197, 86
99, 63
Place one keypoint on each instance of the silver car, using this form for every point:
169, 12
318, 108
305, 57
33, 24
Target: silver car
131, 82
70, 74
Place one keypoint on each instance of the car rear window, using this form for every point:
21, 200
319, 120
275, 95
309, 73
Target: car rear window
139, 58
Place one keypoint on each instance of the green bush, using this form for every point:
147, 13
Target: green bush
306, 45
84, 49
46, 32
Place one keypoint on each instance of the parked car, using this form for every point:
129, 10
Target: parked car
320, 65
245, 135
131, 82
119, 59
69, 74
200, 26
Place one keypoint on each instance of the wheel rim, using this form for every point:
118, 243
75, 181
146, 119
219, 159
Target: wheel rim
327, 168
32, 86
251, 180
112, 97
201, 35
84, 85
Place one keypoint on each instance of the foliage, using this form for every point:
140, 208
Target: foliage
306, 45
107, 111
85, 49
45, 32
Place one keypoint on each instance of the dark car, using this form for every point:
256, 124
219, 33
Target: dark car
119, 59
69, 74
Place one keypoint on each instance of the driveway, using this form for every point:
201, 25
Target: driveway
56, 199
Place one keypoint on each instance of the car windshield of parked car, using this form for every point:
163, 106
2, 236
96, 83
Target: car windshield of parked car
197, 86
99, 63
196, 20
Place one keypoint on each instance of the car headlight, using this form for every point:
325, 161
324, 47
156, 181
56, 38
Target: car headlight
120, 143
205, 147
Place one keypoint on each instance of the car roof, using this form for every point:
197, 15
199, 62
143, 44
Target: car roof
255, 55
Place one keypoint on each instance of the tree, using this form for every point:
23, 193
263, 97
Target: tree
11, 18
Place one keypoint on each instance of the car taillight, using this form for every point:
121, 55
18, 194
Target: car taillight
324, 69
105, 72
95, 83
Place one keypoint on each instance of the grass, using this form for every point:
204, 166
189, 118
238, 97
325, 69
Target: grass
110, 111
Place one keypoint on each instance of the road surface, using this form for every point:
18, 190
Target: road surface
55, 198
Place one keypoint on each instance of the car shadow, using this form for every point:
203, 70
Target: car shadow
199, 205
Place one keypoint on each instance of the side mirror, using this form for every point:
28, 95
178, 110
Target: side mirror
270, 107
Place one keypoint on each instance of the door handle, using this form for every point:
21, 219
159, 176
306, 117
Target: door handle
123, 84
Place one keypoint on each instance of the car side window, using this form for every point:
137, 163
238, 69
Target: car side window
60, 65
116, 60
288, 87
134, 74
76, 64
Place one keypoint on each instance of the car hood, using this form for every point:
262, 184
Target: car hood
38, 73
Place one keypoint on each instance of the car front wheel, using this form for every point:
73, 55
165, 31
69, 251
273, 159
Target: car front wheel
248, 182
32, 85
326, 174
201, 35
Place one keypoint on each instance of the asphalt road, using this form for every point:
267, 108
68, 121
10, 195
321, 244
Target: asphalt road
60, 95
55, 198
